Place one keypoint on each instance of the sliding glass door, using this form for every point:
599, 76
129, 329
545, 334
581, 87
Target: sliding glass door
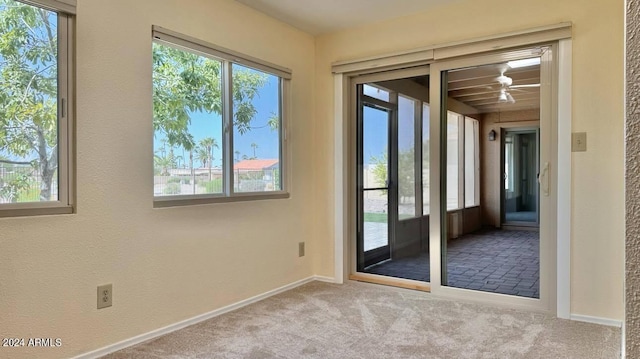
392, 230
430, 176
477, 101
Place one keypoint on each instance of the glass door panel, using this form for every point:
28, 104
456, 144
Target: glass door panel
374, 156
475, 254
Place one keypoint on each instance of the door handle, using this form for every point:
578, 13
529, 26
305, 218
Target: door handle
543, 179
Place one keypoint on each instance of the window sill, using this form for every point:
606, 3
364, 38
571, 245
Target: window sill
33, 210
179, 201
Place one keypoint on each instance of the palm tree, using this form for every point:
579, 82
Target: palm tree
209, 143
254, 146
163, 163
189, 145
202, 155
237, 156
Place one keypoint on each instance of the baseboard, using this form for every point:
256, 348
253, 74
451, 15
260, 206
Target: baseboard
321, 278
597, 320
191, 321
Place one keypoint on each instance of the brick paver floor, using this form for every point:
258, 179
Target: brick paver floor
499, 261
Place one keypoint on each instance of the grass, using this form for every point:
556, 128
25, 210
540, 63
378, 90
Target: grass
376, 217
382, 217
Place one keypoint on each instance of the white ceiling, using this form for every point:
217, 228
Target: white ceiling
324, 16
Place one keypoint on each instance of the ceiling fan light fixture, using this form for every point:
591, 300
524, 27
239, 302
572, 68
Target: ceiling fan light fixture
503, 97
524, 63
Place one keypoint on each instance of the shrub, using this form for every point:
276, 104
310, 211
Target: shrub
172, 188
252, 185
214, 186
173, 180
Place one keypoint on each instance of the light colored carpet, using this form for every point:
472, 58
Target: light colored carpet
358, 320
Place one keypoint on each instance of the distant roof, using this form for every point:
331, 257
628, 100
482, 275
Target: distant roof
255, 165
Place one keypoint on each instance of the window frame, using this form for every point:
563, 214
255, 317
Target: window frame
65, 10
228, 57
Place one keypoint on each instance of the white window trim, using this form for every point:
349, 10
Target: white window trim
228, 57
66, 118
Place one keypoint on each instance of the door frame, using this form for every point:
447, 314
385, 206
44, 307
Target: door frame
345, 71
518, 130
353, 181
381, 253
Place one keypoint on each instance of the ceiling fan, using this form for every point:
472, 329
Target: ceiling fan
506, 86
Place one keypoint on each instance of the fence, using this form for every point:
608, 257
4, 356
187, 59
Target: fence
201, 181
23, 183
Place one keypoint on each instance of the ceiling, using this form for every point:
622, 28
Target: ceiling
479, 88
324, 16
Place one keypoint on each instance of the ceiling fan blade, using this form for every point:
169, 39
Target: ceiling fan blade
524, 86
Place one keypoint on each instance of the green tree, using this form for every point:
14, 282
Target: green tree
202, 155
185, 83
380, 165
406, 172
164, 163
28, 90
209, 144
273, 122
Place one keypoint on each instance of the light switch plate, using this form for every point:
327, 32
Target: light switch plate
578, 142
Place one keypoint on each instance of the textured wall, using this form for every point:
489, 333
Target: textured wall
166, 265
632, 282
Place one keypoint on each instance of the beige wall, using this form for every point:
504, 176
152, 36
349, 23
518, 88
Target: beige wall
171, 264
597, 185
166, 265
490, 162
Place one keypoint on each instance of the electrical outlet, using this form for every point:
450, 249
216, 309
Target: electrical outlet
105, 296
301, 249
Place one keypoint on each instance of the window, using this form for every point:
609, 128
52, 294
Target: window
218, 120
35, 107
406, 157
463, 161
455, 161
376, 92
425, 158
471, 162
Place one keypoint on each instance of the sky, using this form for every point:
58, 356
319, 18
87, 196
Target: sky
376, 126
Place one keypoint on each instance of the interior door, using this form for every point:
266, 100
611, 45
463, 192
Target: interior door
520, 168
376, 199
